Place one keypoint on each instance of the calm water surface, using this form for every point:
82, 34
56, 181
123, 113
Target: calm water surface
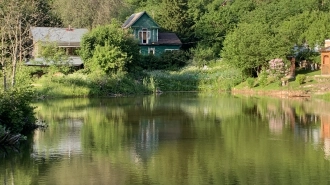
174, 139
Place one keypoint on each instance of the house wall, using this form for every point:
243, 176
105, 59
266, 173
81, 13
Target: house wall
325, 63
36, 49
153, 34
144, 49
145, 22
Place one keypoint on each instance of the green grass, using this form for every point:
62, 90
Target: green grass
83, 85
325, 97
217, 78
274, 84
308, 72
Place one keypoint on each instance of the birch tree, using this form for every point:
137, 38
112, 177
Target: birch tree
11, 36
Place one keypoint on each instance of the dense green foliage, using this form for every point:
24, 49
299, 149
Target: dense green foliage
16, 112
272, 30
109, 49
169, 60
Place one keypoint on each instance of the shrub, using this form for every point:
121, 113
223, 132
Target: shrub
301, 78
150, 62
169, 60
173, 59
250, 82
263, 78
108, 42
202, 55
16, 113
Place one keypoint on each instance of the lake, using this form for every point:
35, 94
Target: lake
174, 138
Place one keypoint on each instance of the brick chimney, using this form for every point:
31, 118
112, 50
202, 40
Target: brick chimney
71, 29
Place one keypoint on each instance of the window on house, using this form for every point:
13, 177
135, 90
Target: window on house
71, 51
151, 51
144, 36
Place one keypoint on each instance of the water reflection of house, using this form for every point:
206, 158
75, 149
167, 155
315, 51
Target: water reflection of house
67, 142
150, 133
276, 124
325, 133
147, 140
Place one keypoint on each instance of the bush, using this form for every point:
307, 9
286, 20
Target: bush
108, 42
150, 62
16, 113
169, 60
173, 59
250, 82
301, 78
263, 78
202, 55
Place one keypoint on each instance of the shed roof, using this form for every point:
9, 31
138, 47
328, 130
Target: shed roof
71, 61
326, 49
133, 18
168, 39
62, 36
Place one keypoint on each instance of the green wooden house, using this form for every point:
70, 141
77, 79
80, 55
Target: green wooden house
151, 40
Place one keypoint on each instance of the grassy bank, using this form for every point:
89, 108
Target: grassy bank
216, 77
306, 84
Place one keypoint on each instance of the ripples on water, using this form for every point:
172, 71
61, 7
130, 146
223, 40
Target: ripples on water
175, 139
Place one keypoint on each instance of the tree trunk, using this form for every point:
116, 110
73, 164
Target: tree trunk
15, 48
3, 61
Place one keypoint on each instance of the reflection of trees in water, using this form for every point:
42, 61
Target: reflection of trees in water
179, 142
284, 115
152, 126
16, 167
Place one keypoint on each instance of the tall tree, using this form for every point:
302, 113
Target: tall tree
90, 13
251, 46
174, 17
221, 16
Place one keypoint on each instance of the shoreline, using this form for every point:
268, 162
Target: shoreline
276, 93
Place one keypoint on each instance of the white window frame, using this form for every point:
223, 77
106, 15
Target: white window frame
148, 35
157, 35
151, 51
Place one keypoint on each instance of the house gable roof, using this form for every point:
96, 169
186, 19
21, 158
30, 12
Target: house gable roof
134, 19
69, 37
